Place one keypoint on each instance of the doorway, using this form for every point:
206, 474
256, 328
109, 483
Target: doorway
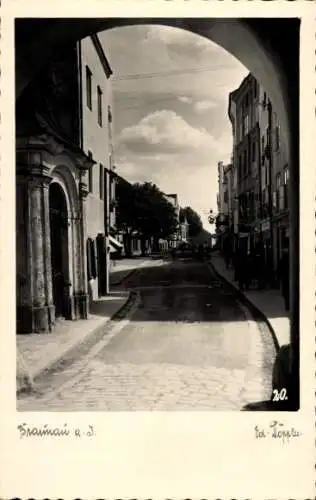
58, 215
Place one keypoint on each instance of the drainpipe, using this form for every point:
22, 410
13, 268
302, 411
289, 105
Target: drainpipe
294, 217
270, 163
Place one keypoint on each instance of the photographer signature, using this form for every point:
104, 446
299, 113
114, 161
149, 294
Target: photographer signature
277, 431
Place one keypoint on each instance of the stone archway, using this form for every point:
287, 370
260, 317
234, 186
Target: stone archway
268, 48
66, 175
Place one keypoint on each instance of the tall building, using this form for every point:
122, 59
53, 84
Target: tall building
274, 181
260, 173
243, 113
63, 157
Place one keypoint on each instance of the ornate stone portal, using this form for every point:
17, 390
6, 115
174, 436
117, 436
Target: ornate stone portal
37, 288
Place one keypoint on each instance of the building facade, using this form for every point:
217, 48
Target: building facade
274, 181
96, 142
260, 173
62, 152
224, 216
243, 113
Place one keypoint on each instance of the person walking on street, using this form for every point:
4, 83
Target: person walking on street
284, 271
248, 270
241, 269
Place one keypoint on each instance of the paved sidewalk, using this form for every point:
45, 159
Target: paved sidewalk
120, 269
269, 302
37, 352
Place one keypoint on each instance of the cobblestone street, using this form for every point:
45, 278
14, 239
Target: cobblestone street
187, 345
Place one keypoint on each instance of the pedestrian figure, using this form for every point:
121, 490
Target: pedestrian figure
200, 252
283, 272
248, 270
241, 270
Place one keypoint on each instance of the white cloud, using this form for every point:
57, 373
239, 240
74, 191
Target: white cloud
164, 131
185, 99
204, 105
167, 34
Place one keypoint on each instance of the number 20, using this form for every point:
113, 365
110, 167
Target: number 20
279, 395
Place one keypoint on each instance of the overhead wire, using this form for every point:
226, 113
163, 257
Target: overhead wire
138, 76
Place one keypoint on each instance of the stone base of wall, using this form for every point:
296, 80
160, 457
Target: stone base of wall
35, 319
70, 308
81, 305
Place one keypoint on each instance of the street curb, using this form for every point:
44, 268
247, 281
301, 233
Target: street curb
69, 352
128, 275
255, 310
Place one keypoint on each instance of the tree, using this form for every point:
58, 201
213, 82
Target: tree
143, 208
193, 219
125, 212
156, 216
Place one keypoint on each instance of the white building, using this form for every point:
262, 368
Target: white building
63, 162
96, 109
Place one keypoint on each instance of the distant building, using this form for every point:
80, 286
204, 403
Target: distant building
63, 161
224, 202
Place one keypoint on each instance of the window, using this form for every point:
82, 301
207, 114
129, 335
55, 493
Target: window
278, 187
101, 182
240, 131
277, 138
89, 87
286, 187
99, 106
90, 174
286, 175
109, 114
239, 166
91, 259
262, 149
267, 175
246, 125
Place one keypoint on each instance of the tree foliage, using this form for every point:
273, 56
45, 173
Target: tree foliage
193, 219
143, 208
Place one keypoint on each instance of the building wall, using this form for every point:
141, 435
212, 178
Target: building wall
96, 141
260, 173
244, 115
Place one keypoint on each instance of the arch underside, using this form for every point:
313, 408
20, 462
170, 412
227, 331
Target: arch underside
257, 45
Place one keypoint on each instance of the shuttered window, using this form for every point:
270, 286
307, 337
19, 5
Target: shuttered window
91, 259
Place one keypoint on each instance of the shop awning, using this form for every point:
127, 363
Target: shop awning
115, 245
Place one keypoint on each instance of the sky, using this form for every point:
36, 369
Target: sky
170, 110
